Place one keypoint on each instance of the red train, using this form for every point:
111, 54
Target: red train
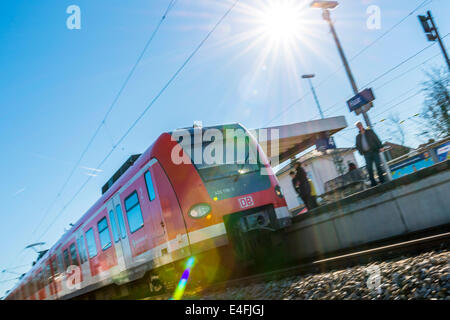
154, 214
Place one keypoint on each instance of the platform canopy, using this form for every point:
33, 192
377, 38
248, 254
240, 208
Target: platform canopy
297, 137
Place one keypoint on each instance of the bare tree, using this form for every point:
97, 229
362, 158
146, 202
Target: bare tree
436, 105
398, 133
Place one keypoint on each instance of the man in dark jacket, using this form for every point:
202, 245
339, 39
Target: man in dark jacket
369, 146
301, 185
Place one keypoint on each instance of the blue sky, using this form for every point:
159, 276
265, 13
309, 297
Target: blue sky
57, 84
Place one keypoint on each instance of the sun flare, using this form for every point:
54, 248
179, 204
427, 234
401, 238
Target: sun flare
277, 34
280, 21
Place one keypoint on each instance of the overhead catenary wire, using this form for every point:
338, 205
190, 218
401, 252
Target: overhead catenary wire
102, 122
291, 105
397, 65
8, 280
346, 131
399, 103
110, 108
424, 3
342, 133
386, 73
114, 146
16, 267
162, 90
390, 107
406, 72
339, 103
378, 39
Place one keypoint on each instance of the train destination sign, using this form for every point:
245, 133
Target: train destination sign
361, 99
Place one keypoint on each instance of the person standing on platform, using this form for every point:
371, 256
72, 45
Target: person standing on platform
313, 194
369, 146
301, 185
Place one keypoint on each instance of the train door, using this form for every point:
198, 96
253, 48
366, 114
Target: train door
102, 255
53, 275
73, 272
170, 213
29, 288
41, 284
115, 215
152, 206
82, 253
57, 274
162, 222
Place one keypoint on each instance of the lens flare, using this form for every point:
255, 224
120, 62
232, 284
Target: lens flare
281, 22
179, 290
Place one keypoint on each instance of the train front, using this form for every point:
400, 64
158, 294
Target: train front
227, 191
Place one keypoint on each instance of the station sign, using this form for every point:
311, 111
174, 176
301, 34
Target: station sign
324, 142
443, 152
362, 101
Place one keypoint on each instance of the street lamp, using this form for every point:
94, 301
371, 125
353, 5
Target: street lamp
309, 77
326, 6
337, 159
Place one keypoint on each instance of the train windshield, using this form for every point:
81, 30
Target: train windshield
226, 158
232, 157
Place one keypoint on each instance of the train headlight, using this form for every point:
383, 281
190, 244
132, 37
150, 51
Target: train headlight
199, 210
278, 191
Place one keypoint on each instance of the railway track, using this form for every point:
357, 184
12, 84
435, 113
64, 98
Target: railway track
415, 246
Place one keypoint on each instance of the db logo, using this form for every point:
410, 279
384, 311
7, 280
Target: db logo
246, 202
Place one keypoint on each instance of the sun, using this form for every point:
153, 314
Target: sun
277, 35
281, 26
274, 27
280, 21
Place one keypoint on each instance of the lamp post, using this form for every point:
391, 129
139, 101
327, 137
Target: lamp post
309, 77
337, 159
326, 6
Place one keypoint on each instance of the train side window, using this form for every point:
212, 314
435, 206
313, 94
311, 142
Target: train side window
134, 213
55, 272
40, 284
41, 279
47, 274
73, 254
149, 184
114, 226
66, 258
123, 231
29, 290
103, 231
81, 249
60, 263
90, 239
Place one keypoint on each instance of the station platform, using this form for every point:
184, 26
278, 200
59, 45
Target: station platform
411, 204
284, 142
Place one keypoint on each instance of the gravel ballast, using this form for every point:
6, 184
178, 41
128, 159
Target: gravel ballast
424, 276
